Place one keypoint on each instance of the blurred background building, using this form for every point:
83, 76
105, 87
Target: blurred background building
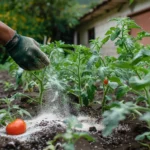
96, 22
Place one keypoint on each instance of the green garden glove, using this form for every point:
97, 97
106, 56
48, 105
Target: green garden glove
26, 53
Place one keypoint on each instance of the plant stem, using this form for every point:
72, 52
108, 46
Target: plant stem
36, 77
9, 112
137, 112
41, 88
124, 44
143, 109
41, 93
104, 98
79, 80
103, 61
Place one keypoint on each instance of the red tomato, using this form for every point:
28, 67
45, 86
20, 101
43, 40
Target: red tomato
105, 81
16, 127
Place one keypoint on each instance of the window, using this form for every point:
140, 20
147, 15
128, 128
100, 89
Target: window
91, 34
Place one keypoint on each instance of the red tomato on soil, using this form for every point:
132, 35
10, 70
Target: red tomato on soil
16, 127
105, 81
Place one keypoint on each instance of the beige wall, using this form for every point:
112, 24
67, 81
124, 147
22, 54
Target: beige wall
102, 24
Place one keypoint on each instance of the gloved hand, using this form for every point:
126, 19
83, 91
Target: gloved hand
26, 53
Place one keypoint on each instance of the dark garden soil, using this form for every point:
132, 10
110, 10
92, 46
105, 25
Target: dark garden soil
121, 139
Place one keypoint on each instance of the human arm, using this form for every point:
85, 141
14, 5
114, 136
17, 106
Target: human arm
25, 51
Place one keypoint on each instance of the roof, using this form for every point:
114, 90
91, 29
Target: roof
103, 7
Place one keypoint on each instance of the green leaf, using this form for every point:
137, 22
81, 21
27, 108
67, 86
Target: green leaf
115, 34
122, 64
3, 111
20, 113
129, 43
141, 99
105, 39
113, 85
85, 99
145, 117
148, 137
19, 76
73, 122
121, 91
142, 34
67, 136
142, 136
142, 55
86, 72
115, 79
108, 98
131, 1
120, 43
131, 24
50, 146
113, 116
68, 146
142, 69
91, 92
119, 49
2, 115
25, 112
115, 19
110, 31
92, 60
78, 135
17, 95
15, 107
103, 71
138, 84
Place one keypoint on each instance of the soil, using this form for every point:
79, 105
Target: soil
123, 138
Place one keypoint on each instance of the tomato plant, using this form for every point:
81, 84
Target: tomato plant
16, 127
11, 111
131, 73
70, 136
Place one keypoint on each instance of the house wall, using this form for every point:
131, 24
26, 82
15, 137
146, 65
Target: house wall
102, 24
143, 20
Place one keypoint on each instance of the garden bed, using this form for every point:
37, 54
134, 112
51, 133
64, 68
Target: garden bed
123, 137
109, 97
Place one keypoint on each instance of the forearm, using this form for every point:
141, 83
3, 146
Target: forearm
25, 51
6, 33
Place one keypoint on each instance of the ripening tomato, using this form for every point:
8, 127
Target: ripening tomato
16, 127
105, 81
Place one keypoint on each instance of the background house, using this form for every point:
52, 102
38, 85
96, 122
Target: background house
96, 22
